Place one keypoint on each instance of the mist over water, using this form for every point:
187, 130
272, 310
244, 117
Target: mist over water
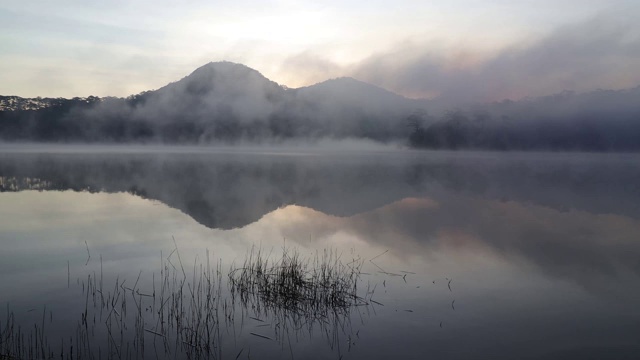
538, 246
231, 104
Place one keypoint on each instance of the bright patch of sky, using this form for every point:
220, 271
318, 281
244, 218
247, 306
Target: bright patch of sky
116, 47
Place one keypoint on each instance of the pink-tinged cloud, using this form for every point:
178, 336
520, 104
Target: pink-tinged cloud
598, 54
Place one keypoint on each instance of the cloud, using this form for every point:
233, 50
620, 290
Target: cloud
308, 68
603, 52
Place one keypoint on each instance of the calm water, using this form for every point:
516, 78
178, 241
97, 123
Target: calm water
465, 255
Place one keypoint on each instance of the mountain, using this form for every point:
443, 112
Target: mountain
231, 102
217, 87
218, 101
228, 102
349, 92
251, 95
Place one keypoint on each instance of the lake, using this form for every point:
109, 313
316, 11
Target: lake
130, 252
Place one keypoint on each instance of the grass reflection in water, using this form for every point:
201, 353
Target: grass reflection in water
189, 312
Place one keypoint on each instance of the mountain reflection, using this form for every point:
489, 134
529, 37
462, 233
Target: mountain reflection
572, 217
225, 191
577, 246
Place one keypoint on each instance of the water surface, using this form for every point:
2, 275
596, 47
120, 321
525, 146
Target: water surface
467, 255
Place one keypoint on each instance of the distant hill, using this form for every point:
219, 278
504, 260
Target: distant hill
217, 87
602, 120
229, 102
353, 93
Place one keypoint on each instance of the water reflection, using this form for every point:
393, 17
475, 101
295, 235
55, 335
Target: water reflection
540, 251
222, 190
578, 246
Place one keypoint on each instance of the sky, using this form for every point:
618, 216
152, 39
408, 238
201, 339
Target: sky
469, 50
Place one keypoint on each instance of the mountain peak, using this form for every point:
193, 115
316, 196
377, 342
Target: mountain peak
347, 86
353, 93
226, 69
224, 66
223, 77
346, 81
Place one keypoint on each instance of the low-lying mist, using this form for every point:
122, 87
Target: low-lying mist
225, 104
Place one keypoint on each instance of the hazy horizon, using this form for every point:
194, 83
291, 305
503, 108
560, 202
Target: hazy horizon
448, 100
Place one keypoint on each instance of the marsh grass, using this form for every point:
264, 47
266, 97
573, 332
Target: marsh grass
176, 316
316, 285
315, 295
184, 311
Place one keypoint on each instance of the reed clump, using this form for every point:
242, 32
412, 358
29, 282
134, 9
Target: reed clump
315, 285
